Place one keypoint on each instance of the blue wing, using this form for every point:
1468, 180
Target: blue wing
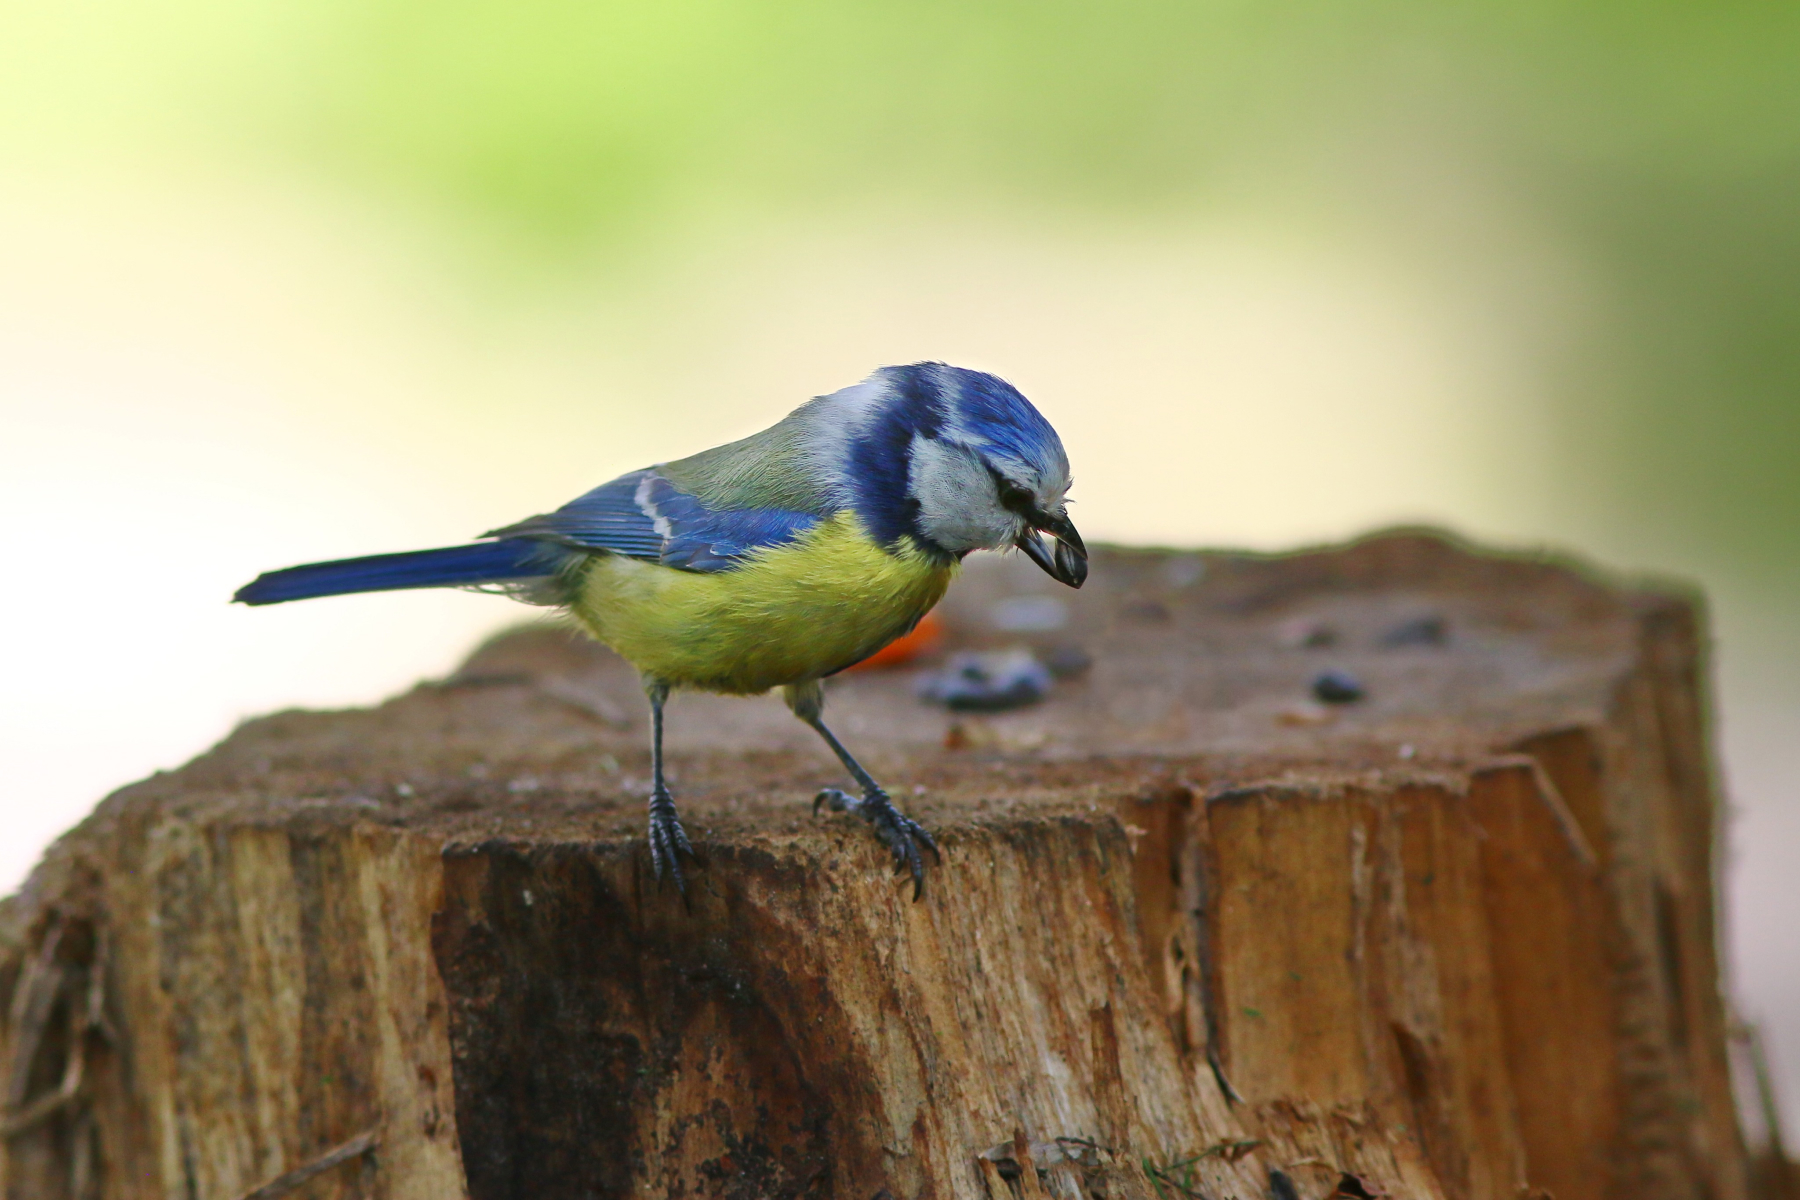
642, 515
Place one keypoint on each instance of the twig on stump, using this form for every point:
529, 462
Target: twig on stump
357, 1146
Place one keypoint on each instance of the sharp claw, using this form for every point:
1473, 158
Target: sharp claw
664, 862
899, 833
668, 842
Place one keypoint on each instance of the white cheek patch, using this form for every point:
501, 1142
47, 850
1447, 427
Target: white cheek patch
958, 507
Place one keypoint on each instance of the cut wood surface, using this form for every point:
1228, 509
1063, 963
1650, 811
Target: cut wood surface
1195, 933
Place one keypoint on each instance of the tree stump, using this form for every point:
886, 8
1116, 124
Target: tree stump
1196, 932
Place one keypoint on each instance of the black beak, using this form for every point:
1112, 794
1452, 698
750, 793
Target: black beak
1069, 563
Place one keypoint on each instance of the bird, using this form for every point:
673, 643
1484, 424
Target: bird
774, 561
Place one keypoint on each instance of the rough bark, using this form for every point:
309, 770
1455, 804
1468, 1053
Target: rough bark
1194, 933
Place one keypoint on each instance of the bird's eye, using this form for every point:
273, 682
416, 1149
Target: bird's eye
1016, 498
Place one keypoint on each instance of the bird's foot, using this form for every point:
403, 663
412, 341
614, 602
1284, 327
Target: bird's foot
898, 832
668, 841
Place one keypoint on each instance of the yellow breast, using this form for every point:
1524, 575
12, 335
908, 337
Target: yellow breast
791, 613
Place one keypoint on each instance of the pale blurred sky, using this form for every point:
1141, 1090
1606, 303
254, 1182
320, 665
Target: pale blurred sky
307, 281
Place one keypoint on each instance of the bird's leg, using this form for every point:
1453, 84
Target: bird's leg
898, 832
668, 841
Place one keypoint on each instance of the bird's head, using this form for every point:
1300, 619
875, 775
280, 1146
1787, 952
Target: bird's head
984, 470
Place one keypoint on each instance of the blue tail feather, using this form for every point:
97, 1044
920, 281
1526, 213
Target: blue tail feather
452, 566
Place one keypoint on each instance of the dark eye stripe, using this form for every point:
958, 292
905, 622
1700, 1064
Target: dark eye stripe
1014, 497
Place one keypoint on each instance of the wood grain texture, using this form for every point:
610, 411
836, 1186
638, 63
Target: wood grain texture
1195, 933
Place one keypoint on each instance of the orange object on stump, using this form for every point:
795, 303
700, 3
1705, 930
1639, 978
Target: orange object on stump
925, 637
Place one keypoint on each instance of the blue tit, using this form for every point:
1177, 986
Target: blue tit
777, 560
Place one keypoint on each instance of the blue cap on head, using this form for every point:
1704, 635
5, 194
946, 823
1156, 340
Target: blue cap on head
991, 411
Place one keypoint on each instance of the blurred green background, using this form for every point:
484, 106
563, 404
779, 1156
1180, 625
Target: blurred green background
292, 279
